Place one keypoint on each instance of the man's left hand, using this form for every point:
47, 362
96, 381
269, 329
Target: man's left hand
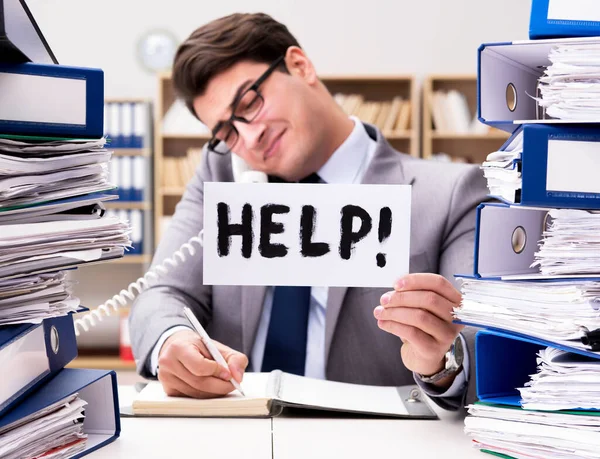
419, 312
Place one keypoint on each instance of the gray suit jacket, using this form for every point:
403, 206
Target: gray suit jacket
444, 199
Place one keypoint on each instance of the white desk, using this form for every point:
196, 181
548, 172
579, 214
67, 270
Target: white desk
296, 438
175, 438
291, 438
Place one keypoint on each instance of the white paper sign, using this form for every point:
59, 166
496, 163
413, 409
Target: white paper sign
306, 234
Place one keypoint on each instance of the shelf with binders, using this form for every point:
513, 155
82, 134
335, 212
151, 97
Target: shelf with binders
129, 131
451, 131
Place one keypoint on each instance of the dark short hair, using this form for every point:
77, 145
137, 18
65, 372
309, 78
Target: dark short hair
220, 44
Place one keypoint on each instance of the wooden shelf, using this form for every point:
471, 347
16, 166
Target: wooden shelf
186, 136
102, 363
398, 135
132, 259
129, 205
130, 151
131, 100
470, 147
453, 135
172, 191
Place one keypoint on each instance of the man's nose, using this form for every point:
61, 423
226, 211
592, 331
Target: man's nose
250, 133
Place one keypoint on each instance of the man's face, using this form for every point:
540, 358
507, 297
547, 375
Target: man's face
284, 137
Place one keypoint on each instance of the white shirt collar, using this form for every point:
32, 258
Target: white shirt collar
348, 163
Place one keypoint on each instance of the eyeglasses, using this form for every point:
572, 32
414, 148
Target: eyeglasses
245, 108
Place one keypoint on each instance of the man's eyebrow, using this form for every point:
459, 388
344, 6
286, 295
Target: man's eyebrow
238, 93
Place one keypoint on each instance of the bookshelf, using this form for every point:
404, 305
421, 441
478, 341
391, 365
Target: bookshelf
471, 146
374, 92
99, 347
372, 89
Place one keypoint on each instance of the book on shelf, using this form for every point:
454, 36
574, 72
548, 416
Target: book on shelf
179, 170
450, 113
392, 117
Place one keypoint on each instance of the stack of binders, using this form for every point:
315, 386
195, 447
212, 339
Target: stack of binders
535, 288
53, 183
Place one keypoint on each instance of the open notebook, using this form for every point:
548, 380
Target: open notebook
267, 394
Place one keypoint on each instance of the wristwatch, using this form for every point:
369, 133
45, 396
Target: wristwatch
454, 360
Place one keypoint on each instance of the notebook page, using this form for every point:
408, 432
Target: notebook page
154, 401
340, 396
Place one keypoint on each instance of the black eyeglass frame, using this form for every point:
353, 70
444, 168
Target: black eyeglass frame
214, 142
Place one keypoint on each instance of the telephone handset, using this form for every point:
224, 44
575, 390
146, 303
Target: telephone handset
241, 173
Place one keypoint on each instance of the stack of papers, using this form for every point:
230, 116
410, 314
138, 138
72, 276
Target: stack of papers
45, 247
31, 299
87, 207
54, 432
502, 169
519, 433
570, 244
557, 311
37, 172
52, 217
564, 381
570, 87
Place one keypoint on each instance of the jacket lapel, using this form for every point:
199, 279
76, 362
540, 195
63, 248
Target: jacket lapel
385, 168
253, 298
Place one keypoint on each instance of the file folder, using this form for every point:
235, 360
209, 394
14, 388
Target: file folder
126, 178
559, 166
126, 124
137, 231
114, 130
79, 92
564, 18
140, 124
31, 354
21, 40
505, 360
506, 240
97, 387
519, 64
140, 173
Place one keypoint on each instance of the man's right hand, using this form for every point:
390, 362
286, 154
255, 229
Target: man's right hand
185, 367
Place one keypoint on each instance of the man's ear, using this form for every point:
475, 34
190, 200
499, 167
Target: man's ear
298, 64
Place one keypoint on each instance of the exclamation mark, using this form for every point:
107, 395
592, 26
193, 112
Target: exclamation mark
385, 229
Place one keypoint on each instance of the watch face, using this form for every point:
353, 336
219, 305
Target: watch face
459, 352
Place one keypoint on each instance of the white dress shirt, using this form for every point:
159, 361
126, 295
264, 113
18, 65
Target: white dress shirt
346, 165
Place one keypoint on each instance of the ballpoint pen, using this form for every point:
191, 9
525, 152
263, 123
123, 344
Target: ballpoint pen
214, 352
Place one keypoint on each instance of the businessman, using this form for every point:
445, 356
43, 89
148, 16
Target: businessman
247, 78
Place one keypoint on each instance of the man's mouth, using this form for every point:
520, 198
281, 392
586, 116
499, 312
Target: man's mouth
274, 146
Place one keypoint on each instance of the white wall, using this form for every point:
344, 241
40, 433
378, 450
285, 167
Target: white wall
376, 36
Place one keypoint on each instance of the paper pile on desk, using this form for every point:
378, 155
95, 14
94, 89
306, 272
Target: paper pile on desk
43, 247
559, 311
519, 433
54, 432
32, 172
570, 87
571, 243
34, 298
502, 169
564, 381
